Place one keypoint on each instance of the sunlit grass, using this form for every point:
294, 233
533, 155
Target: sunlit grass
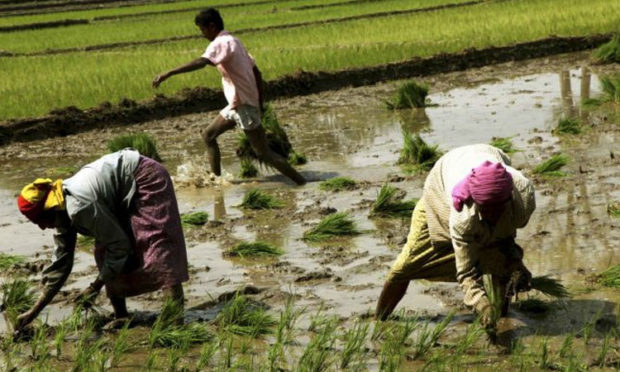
195, 218
610, 277
417, 153
504, 144
247, 169
242, 317
409, 95
334, 225
254, 249
256, 199
9, 260
390, 204
552, 166
17, 297
609, 52
144, 143
296, 158
568, 126
338, 184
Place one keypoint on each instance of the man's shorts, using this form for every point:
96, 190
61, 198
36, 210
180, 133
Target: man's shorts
247, 117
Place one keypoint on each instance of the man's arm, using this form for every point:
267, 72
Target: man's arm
258, 77
194, 65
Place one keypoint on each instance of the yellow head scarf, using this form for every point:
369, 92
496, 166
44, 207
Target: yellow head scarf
36, 191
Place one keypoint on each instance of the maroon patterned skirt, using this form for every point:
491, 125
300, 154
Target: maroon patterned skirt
160, 258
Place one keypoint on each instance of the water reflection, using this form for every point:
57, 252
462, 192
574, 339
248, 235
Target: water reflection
572, 108
415, 120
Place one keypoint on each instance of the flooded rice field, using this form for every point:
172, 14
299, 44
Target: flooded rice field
349, 133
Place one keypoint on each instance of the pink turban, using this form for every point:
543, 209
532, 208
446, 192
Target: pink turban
487, 184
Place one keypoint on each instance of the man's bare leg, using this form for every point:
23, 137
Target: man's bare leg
218, 126
390, 296
258, 140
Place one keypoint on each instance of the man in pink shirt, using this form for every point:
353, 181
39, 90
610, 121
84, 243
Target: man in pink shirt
242, 83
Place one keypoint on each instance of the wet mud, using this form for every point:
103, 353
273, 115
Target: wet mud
348, 132
71, 120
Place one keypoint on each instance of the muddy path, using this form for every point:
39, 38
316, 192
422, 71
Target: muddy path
71, 120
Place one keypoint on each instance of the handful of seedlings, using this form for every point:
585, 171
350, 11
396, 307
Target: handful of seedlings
17, 297
256, 249
336, 224
417, 153
609, 52
408, 95
242, 317
549, 286
142, 142
338, 184
390, 203
552, 166
194, 218
256, 199
504, 144
568, 126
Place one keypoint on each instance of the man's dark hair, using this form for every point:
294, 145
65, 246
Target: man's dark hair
209, 16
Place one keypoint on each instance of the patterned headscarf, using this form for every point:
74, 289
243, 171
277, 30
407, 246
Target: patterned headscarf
488, 184
41, 195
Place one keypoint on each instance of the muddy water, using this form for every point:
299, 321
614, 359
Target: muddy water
350, 133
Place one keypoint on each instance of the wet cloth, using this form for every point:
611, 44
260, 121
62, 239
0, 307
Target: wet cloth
236, 65
464, 232
247, 117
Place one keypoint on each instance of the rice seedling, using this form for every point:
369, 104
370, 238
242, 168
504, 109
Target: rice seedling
86, 348
247, 169
334, 225
277, 140
611, 87
121, 344
549, 286
533, 305
354, 340
255, 249
544, 362
613, 209
194, 218
568, 126
393, 348
427, 338
7, 261
552, 166
206, 354
566, 349
316, 355
610, 277
17, 297
151, 360
338, 184
296, 158
85, 241
601, 358
409, 95
418, 153
504, 144
142, 142
495, 300
174, 357
241, 317
59, 336
389, 203
256, 199
609, 52
39, 347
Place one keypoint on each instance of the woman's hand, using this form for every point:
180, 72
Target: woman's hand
23, 320
87, 297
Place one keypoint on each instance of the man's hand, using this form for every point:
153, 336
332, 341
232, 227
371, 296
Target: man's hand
160, 79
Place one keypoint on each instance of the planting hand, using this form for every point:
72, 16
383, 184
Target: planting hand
87, 297
23, 320
160, 79
485, 312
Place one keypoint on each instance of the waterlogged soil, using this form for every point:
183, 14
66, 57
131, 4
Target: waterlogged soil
349, 133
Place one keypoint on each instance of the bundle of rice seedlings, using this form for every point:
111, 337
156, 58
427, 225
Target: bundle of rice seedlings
277, 140
17, 297
609, 52
256, 249
416, 152
611, 87
179, 336
409, 95
613, 209
610, 277
142, 142
496, 300
194, 218
248, 169
338, 184
533, 305
296, 158
242, 317
551, 167
504, 144
256, 199
568, 126
8, 260
549, 286
389, 204
336, 224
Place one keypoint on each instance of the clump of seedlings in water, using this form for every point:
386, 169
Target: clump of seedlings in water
552, 166
549, 286
194, 218
338, 184
613, 209
170, 331
354, 340
316, 355
409, 95
256, 199
255, 249
427, 337
609, 52
17, 297
7, 261
495, 300
418, 153
504, 144
242, 317
248, 169
142, 142
611, 91
296, 158
568, 126
390, 203
610, 277
336, 224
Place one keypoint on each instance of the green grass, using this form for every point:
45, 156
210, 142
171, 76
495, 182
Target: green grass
611, 87
7, 261
242, 317
549, 286
33, 86
256, 199
409, 95
296, 158
338, 184
336, 224
552, 166
255, 249
609, 52
504, 144
177, 336
610, 277
17, 297
568, 126
142, 142
195, 218
417, 153
248, 169
613, 209
390, 204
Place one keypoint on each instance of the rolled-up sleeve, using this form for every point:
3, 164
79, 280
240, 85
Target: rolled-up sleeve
55, 275
105, 227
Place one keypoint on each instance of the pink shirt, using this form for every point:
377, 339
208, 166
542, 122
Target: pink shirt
236, 66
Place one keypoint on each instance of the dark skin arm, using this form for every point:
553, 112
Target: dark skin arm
194, 65
258, 77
